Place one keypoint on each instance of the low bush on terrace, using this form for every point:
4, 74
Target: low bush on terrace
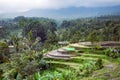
70, 74
112, 52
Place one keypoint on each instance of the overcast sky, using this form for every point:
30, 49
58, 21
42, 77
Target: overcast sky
25, 5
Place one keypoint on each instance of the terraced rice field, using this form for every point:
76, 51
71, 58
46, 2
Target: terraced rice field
87, 55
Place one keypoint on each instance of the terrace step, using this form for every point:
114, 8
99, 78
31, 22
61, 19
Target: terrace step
57, 54
57, 57
61, 51
70, 64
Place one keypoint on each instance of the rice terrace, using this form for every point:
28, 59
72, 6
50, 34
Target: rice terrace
59, 40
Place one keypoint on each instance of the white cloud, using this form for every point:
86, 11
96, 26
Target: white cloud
25, 5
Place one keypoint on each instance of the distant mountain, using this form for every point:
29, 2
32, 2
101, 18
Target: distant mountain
71, 12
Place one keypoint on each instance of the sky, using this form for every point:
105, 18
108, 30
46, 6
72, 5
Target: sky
10, 6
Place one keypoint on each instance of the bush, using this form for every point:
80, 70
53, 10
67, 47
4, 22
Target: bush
108, 51
99, 63
112, 53
4, 51
99, 47
1, 71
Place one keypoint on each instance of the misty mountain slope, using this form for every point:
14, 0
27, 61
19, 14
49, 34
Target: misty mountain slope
71, 12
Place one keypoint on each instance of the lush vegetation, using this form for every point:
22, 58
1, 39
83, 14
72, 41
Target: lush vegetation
104, 28
24, 42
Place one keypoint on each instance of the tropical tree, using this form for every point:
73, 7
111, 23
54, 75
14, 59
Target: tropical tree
94, 37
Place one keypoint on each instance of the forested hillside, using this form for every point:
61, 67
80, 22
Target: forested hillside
33, 48
105, 27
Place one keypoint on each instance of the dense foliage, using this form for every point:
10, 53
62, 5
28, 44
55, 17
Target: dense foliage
106, 28
35, 36
4, 52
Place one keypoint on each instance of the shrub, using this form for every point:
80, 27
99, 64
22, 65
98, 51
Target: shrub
108, 51
4, 51
112, 53
99, 63
1, 71
99, 47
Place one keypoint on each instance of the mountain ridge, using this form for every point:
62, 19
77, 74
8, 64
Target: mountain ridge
71, 12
